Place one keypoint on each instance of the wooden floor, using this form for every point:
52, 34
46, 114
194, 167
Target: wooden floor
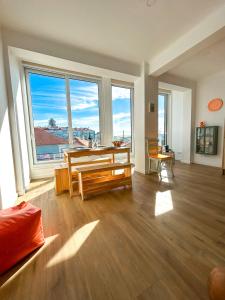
157, 241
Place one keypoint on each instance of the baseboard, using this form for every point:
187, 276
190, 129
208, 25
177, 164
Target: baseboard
204, 165
186, 162
140, 171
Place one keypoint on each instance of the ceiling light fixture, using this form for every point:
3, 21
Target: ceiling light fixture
150, 3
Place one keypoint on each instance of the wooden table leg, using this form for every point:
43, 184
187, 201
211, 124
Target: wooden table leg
81, 186
159, 168
128, 156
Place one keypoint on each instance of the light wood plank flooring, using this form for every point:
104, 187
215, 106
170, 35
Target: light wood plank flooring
157, 241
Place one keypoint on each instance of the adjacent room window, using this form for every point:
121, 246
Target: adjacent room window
162, 118
122, 114
64, 111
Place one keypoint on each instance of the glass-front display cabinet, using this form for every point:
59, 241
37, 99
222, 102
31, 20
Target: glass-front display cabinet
207, 140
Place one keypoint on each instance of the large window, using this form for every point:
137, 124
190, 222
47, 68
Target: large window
122, 114
162, 118
63, 111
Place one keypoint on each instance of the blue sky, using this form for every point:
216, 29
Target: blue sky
48, 96
161, 114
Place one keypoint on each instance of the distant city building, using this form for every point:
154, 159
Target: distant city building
51, 141
82, 133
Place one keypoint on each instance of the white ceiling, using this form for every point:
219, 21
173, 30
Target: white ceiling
207, 62
125, 29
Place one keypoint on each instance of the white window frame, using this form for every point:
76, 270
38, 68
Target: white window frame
166, 115
43, 169
66, 77
128, 86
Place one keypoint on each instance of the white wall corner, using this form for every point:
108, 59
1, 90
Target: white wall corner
8, 193
207, 32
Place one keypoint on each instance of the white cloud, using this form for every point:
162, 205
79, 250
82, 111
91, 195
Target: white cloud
84, 97
90, 122
121, 124
118, 117
161, 125
83, 93
78, 105
91, 89
120, 93
119, 130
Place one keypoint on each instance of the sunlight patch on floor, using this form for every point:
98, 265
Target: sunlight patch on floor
163, 203
36, 189
166, 176
72, 246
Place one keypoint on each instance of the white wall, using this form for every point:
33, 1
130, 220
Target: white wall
139, 122
145, 122
187, 127
7, 176
175, 116
73, 54
211, 87
179, 120
16, 88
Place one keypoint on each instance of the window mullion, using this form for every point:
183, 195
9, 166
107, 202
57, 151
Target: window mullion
69, 111
106, 111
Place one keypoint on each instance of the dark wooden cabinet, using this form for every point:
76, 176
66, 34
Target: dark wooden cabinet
207, 140
223, 167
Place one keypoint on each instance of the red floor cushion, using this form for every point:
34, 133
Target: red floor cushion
217, 284
21, 233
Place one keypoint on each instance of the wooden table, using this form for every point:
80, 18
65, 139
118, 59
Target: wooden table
73, 153
63, 173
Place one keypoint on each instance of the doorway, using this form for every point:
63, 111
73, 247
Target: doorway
174, 120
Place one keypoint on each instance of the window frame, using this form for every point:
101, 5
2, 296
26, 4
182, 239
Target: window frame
66, 77
166, 105
131, 88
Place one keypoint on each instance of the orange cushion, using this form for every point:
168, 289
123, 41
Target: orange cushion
21, 233
217, 284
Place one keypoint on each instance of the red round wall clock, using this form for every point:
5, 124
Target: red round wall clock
215, 104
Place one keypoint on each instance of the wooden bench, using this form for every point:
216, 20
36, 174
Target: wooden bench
94, 179
62, 174
71, 157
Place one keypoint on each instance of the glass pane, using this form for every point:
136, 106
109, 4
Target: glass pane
121, 112
209, 140
200, 142
49, 110
85, 111
162, 134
